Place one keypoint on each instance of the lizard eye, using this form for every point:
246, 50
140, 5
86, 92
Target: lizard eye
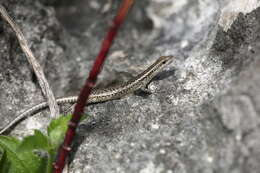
164, 62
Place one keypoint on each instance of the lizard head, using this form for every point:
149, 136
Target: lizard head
162, 62
156, 67
165, 60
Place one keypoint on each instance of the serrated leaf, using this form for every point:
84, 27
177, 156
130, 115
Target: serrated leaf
57, 129
32, 160
35, 153
23, 161
12, 142
9, 144
37, 141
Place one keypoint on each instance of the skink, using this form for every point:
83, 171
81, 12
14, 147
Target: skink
102, 95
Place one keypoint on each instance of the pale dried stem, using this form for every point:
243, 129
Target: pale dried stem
54, 109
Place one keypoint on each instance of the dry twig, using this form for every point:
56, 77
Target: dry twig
54, 109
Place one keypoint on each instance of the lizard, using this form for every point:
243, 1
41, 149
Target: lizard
140, 82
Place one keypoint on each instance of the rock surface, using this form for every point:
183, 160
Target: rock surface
204, 113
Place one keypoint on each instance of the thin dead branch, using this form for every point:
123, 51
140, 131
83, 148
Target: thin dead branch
45, 87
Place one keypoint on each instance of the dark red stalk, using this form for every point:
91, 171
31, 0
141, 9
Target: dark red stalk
89, 84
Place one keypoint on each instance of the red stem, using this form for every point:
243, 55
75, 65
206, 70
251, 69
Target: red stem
89, 84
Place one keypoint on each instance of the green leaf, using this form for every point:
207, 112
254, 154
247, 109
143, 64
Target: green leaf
22, 161
38, 141
57, 129
9, 144
35, 153
45, 165
4, 163
32, 160
84, 117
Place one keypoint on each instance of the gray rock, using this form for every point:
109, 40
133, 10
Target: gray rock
204, 113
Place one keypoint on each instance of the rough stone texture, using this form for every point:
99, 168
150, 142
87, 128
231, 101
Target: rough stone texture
204, 113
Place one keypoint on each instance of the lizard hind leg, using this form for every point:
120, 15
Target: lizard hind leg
144, 91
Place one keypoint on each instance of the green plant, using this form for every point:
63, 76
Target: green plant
35, 153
